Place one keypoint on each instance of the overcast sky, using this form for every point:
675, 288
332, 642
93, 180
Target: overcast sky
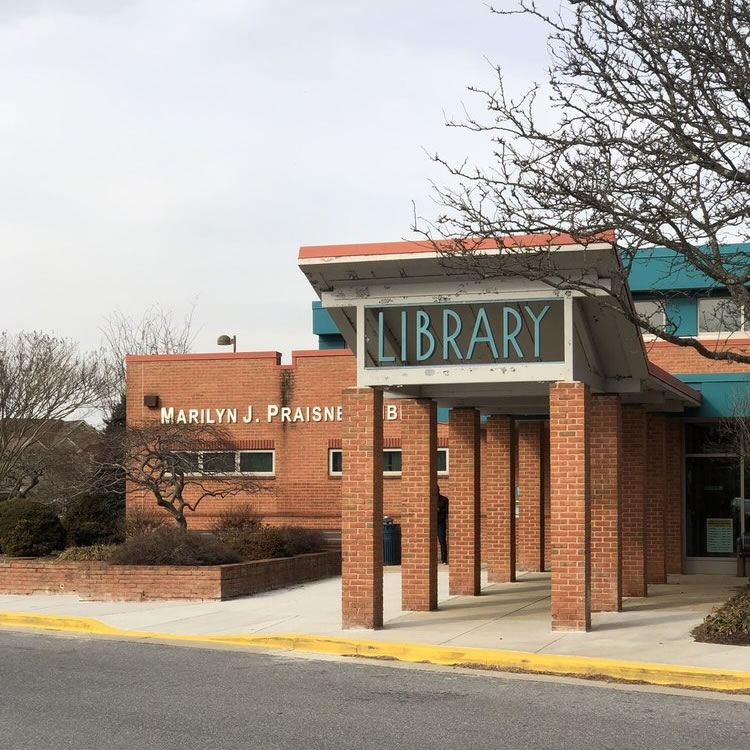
165, 151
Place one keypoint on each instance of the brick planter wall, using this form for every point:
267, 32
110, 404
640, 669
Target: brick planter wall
100, 581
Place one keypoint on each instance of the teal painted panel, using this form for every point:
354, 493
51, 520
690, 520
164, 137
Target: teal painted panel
331, 341
683, 313
322, 321
723, 394
661, 269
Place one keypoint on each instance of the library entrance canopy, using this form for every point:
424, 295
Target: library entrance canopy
421, 330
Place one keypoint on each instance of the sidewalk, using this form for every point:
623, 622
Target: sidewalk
511, 617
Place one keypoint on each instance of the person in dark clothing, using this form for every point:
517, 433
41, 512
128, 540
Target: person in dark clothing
442, 518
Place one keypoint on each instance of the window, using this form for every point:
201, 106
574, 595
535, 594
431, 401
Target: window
335, 462
442, 462
392, 462
188, 462
260, 463
223, 462
653, 311
721, 315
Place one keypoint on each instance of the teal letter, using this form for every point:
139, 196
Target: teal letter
423, 329
537, 321
488, 338
404, 348
510, 338
450, 338
381, 352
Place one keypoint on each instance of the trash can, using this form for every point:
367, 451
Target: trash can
391, 542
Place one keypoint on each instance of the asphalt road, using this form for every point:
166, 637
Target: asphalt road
83, 693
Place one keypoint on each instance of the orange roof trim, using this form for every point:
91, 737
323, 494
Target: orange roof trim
309, 252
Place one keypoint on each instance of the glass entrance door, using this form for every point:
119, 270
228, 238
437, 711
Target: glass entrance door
716, 509
713, 519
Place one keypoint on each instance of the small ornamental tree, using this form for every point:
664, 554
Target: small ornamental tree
165, 462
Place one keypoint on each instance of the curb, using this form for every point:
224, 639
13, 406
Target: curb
521, 661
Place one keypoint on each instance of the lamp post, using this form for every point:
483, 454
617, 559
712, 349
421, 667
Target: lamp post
225, 340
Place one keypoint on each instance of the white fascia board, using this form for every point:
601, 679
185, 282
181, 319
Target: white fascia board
433, 291
432, 254
452, 375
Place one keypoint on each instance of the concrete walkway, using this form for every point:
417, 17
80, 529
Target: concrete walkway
507, 616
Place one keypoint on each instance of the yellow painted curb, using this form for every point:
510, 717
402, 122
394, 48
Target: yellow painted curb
578, 666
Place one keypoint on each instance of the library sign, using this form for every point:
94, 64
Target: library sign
466, 333
268, 414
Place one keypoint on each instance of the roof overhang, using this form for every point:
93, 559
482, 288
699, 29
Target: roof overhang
365, 287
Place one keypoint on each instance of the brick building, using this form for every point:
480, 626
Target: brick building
564, 441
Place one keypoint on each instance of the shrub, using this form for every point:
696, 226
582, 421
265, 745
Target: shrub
242, 531
170, 546
262, 543
729, 623
300, 541
93, 552
236, 521
29, 529
94, 520
139, 522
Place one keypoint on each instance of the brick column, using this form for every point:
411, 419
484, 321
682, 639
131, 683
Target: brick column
362, 509
655, 539
570, 497
530, 522
545, 493
673, 467
463, 509
499, 501
633, 501
418, 492
606, 521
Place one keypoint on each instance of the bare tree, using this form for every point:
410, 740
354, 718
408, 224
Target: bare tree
641, 131
43, 379
155, 332
175, 467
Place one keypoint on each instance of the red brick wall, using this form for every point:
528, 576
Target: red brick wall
546, 496
302, 492
633, 501
498, 499
99, 581
570, 469
684, 359
362, 509
655, 485
606, 519
419, 501
530, 522
673, 469
463, 514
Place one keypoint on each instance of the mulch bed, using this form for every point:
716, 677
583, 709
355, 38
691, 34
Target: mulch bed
729, 624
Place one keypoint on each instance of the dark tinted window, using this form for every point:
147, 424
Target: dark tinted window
392, 461
336, 462
707, 437
188, 462
219, 462
257, 462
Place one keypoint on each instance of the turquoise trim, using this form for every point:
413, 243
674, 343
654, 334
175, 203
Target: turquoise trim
660, 269
682, 312
722, 393
322, 321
